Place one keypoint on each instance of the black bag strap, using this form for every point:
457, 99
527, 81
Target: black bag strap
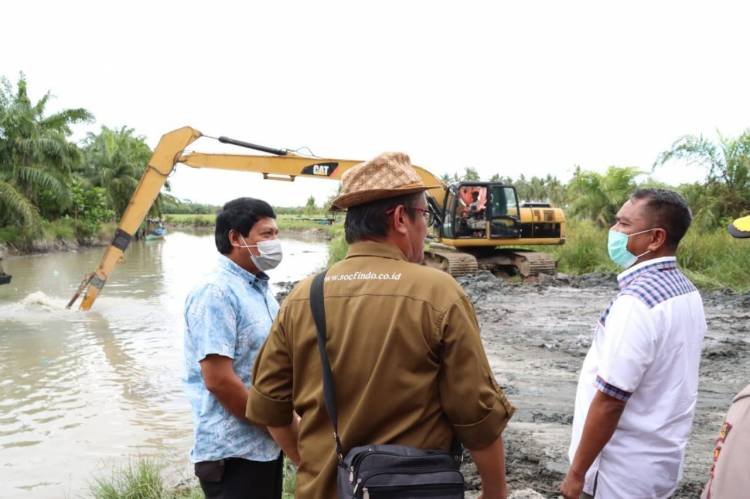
317, 306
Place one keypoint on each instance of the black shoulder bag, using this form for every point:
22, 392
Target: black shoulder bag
379, 471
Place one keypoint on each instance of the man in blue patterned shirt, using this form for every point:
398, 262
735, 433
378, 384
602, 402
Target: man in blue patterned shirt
228, 318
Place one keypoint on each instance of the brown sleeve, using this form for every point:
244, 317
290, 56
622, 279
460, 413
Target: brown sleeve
269, 402
471, 398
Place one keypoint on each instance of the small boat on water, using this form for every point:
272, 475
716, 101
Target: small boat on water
157, 233
155, 229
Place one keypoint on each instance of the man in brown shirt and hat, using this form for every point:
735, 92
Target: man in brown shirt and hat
730, 473
403, 342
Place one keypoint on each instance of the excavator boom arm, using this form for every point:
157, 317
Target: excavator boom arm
153, 179
169, 152
291, 166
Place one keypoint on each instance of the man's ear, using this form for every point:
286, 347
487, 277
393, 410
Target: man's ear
397, 219
658, 239
234, 238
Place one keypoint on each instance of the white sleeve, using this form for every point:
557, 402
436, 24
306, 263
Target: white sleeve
628, 349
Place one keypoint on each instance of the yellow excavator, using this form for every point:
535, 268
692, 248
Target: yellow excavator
474, 223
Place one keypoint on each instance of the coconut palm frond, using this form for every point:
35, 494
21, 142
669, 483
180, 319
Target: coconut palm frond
116, 159
17, 207
695, 150
37, 178
63, 119
41, 104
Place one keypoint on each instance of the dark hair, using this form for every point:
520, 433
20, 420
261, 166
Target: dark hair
668, 210
370, 221
239, 214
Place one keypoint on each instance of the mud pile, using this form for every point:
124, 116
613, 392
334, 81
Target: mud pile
536, 337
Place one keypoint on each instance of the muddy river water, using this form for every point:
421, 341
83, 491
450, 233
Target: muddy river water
82, 392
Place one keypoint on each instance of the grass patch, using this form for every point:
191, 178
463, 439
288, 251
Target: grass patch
716, 260
294, 222
63, 229
198, 220
10, 236
338, 246
711, 259
48, 232
584, 251
142, 479
290, 479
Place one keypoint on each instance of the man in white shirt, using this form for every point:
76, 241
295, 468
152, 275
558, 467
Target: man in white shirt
639, 382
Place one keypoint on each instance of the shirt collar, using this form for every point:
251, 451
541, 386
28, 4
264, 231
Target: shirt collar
372, 248
653, 265
227, 265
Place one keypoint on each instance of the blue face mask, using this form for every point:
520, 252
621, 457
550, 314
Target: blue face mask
617, 246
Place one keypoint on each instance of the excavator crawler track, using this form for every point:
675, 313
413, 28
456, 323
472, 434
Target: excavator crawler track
531, 263
503, 262
454, 262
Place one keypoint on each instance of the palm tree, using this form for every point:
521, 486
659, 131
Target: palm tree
726, 192
115, 160
598, 197
35, 155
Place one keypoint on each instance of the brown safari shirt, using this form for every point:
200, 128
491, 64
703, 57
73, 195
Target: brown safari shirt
407, 362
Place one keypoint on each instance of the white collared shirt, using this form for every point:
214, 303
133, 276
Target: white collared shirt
646, 350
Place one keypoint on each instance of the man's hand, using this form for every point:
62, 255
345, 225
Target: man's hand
572, 486
601, 423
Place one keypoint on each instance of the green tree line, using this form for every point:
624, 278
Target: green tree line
591, 199
48, 182
54, 187
723, 195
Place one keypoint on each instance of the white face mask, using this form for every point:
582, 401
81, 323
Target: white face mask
270, 253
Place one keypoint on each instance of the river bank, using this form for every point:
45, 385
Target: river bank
712, 260
104, 237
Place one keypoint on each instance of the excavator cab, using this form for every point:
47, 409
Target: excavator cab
482, 225
481, 210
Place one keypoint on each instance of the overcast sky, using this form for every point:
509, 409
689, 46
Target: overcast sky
510, 88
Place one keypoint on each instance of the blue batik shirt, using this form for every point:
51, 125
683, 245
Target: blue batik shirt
230, 315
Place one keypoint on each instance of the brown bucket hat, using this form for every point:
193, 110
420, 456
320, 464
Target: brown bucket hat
385, 176
740, 227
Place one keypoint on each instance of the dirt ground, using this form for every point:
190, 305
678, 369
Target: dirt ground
536, 336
